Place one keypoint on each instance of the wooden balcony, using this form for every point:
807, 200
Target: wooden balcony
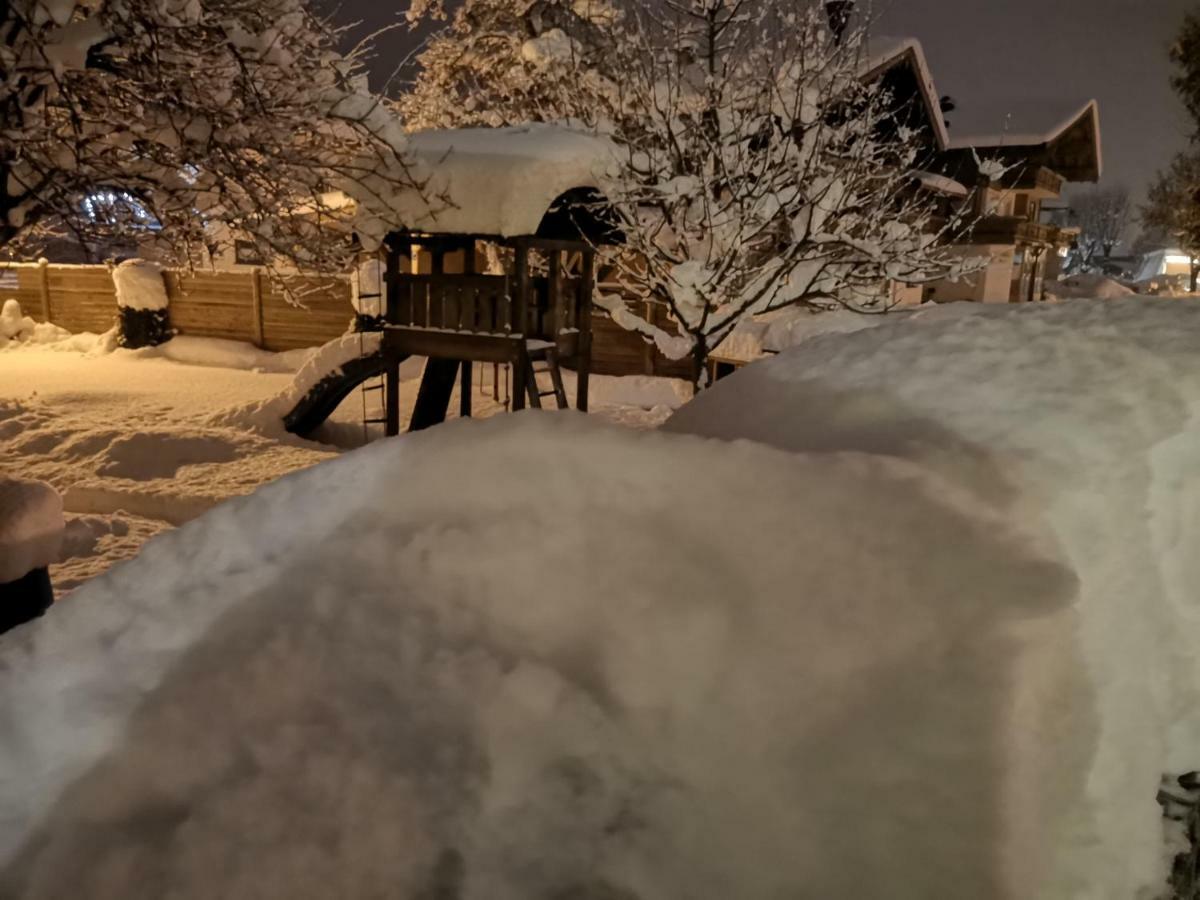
1040, 182
1011, 230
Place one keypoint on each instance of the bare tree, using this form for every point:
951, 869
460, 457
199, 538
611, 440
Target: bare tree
175, 116
1103, 215
758, 171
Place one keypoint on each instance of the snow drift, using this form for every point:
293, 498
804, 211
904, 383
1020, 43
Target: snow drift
31, 526
1084, 417
537, 657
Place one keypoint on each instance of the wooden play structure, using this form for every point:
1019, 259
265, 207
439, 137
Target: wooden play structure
493, 262
534, 317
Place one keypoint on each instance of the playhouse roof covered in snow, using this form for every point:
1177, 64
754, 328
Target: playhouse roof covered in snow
498, 181
1068, 130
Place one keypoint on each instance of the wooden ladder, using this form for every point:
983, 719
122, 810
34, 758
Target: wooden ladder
549, 356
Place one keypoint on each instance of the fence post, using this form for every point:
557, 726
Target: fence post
256, 290
44, 287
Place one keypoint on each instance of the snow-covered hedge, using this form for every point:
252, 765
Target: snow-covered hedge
539, 657
1081, 421
142, 303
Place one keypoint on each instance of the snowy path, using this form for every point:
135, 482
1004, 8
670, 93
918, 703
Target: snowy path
138, 443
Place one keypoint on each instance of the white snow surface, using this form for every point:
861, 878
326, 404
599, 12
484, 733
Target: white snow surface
140, 285
1082, 422
1087, 285
498, 181
757, 674
31, 526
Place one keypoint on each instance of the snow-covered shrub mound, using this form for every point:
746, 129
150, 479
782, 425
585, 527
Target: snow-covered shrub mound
774, 332
535, 657
31, 527
16, 328
1086, 417
1088, 286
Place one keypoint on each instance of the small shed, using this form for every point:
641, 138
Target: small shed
495, 263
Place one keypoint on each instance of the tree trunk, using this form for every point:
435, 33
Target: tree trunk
1195, 274
699, 364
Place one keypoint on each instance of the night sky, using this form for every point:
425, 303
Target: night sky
1112, 50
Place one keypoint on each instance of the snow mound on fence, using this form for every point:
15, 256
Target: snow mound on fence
539, 657
139, 284
31, 527
1085, 416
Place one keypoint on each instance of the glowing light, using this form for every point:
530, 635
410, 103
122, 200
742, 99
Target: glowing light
1175, 259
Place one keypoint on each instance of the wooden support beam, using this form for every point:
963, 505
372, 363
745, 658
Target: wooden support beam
391, 393
583, 353
464, 390
44, 288
554, 275
433, 397
256, 301
520, 324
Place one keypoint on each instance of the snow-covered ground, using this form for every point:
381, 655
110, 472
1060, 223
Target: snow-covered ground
141, 441
899, 613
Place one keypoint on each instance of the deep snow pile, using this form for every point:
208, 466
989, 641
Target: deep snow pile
1088, 286
31, 526
604, 664
1084, 417
16, 327
758, 336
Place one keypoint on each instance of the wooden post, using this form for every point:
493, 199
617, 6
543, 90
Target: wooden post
256, 300
44, 287
391, 392
391, 280
464, 395
520, 324
583, 363
556, 296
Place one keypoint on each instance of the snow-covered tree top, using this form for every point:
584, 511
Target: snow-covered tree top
497, 181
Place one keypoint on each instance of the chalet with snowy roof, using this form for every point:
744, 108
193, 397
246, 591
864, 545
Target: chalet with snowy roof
1017, 155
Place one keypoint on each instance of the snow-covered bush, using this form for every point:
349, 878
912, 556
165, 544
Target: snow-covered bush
1082, 421
16, 327
760, 170
142, 304
605, 664
163, 117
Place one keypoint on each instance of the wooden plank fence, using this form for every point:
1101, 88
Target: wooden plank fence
249, 306
240, 306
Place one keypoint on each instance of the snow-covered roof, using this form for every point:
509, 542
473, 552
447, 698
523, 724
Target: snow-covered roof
940, 184
1019, 123
884, 51
498, 181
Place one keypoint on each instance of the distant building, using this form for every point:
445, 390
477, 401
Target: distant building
1042, 146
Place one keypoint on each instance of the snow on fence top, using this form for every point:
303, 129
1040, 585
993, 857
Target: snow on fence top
498, 181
